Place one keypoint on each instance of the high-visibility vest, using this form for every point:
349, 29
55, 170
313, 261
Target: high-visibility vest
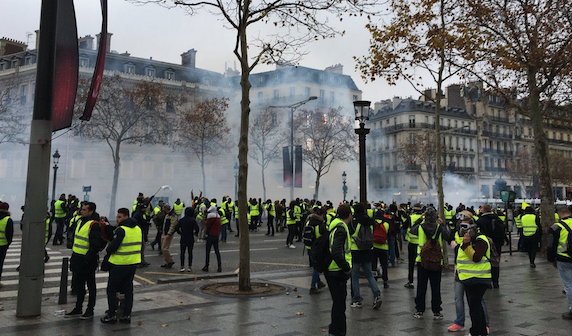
129, 251
59, 209
529, 226
458, 239
563, 239
223, 219
290, 219
369, 213
81, 238
47, 231
330, 217
297, 212
3, 225
410, 237
254, 209
518, 222
178, 208
467, 268
423, 239
449, 214
386, 245
334, 226
156, 209
201, 214
271, 209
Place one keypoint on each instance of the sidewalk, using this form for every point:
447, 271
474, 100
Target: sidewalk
529, 302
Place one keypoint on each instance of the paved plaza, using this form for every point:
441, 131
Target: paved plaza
528, 302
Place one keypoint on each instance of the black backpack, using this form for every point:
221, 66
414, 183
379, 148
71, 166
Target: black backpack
320, 255
364, 237
309, 233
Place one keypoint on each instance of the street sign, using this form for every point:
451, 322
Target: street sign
86, 188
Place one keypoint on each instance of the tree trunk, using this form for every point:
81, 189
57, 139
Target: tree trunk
203, 172
543, 163
116, 165
263, 185
317, 187
244, 254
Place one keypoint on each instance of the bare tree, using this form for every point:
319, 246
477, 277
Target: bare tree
14, 115
524, 53
204, 131
328, 137
124, 114
522, 168
560, 168
290, 25
265, 138
418, 156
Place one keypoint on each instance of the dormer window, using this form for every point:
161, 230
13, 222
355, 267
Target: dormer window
84, 62
129, 68
15, 63
169, 74
150, 72
3, 66
28, 60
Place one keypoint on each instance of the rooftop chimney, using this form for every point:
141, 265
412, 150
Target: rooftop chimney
337, 68
108, 50
9, 46
86, 42
188, 58
396, 102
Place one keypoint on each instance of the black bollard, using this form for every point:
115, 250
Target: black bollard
63, 297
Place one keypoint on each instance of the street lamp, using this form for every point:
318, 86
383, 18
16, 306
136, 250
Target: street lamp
344, 188
293, 108
361, 108
235, 180
56, 158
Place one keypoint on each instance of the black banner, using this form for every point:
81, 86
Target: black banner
287, 166
298, 167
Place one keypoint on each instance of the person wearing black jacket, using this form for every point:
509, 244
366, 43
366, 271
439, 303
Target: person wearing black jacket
85, 259
187, 227
143, 224
492, 226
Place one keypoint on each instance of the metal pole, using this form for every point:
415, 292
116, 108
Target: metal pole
54, 184
63, 296
31, 276
292, 153
362, 132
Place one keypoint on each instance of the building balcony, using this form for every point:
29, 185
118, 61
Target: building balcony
499, 119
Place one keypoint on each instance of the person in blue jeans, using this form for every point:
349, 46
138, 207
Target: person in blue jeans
362, 257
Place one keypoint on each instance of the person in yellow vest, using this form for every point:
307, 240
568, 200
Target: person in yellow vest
298, 215
59, 212
339, 270
532, 233
518, 223
87, 243
315, 220
415, 219
201, 210
138, 201
236, 219
559, 253
178, 207
429, 230
6, 233
474, 273
224, 224
124, 253
291, 224
254, 212
271, 214
380, 247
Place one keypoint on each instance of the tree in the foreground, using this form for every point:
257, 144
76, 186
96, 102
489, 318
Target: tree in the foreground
265, 138
125, 113
204, 131
418, 156
289, 24
328, 137
524, 53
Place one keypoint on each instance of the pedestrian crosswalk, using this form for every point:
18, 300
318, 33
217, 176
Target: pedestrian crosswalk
52, 272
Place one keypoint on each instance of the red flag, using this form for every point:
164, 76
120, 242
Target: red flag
99, 65
66, 66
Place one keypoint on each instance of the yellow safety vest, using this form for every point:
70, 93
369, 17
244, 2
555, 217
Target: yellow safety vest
223, 219
297, 212
156, 210
59, 210
47, 231
201, 214
254, 209
518, 222
529, 225
467, 268
458, 239
369, 213
129, 252
178, 208
271, 210
563, 239
290, 220
410, 237
386, 245
330, 217
423, 239
337, 223
81, 238
3, 225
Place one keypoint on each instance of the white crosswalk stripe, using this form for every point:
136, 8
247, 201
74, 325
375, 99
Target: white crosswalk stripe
52, 272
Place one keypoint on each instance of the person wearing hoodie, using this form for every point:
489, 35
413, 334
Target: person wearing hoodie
187, 227
492, 226
6, 233
168, 229
212, 229
124, 253
431, 228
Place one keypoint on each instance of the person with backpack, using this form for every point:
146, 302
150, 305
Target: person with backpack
430, 261
532, 233
493, 227
361, 244
339, 270
270, 208
559, 252
414, 220
380, 245
315, 228
291, 224
88, 241
123, 254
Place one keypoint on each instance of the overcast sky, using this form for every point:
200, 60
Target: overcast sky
153, 31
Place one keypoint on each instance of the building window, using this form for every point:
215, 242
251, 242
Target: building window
322, 95
15, 63
307, 91
427, 119
147, 169
3, 66
149, 72
84, 62
354, 97
332, 96
3, 165
28, 60
412, 121
78, 165
292, 91
129, 68
170, 75
276, 94
126, 167
168, 168
260, 96
261, 80
23, 93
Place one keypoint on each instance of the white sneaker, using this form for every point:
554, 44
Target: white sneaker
182, 269
189, 269
292, 246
